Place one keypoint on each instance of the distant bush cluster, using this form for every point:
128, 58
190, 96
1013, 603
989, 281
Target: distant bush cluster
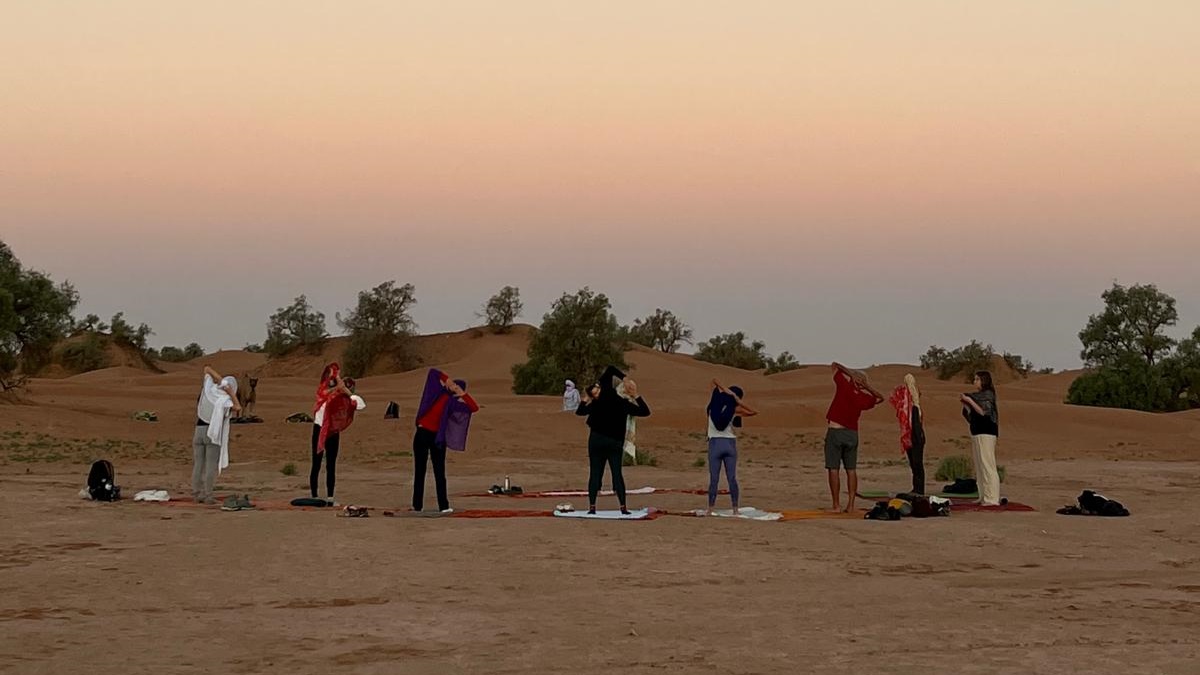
974, 356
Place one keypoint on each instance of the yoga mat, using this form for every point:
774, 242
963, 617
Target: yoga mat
501, 513
640, 514
745, 513
819, 514
553, 494
1011, 506
881, 494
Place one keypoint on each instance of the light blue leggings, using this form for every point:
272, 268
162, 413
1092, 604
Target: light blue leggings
722, 452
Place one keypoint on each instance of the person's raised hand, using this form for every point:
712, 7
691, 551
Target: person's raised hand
631, 388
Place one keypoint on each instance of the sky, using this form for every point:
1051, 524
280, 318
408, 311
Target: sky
851, 181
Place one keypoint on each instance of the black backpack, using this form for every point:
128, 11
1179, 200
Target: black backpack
102, 482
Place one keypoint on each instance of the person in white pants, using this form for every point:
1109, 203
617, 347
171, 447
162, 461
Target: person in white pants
979, 409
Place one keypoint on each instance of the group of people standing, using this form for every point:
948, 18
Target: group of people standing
610, 404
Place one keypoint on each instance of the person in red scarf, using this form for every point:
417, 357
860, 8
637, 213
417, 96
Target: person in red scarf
333, 413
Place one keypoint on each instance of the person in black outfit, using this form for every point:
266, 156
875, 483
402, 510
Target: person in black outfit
607, 413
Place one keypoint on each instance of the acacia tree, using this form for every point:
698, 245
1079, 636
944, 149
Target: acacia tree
662, 331
1133, 322
1132, 362
297, 325
35, 313
380, 325
578, 338
502, 309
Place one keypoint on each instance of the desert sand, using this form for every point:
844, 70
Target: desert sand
179, 588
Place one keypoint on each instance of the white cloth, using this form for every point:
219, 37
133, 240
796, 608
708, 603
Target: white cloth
987, 477
630, 446
152, 496
319, 418
714, 432
213, 409
570, 398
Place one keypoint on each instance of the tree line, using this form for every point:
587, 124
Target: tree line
1130, 360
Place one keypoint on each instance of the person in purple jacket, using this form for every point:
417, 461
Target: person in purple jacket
443, 419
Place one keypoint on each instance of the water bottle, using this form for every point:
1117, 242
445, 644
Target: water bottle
507, 483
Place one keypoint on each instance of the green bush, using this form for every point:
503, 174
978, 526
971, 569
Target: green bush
86, 355
288, 469
954, 467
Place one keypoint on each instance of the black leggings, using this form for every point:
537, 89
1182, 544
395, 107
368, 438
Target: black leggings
604, 450
916, 462
332, 442
425, 447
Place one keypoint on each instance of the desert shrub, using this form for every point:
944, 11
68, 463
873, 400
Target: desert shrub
86, 355
965, 360
288, 469
953, 467
782, 363
171, 354
380, 325
640, 458
579, 337
732, 350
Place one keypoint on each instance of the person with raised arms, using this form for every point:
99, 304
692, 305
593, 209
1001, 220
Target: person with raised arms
725, 412
608, 414
852, 396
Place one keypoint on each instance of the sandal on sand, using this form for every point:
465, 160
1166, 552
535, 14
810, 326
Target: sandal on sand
244, 502
352, 511
232, 503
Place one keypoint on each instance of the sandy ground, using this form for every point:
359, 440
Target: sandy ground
119, 588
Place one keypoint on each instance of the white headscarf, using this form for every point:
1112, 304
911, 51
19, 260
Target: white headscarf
213, 408
570, 397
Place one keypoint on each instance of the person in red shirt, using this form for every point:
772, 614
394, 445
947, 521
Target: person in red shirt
442, 421
852, 396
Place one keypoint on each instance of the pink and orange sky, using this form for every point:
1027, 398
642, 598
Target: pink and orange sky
852, 180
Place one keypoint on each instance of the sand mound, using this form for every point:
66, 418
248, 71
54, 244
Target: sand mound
113, 355
493, 355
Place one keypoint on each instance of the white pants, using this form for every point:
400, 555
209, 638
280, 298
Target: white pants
984, 448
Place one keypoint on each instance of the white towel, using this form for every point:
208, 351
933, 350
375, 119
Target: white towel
630, 446
214, 407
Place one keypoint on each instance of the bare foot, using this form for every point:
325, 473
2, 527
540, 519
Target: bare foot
846, 510
708, 512
835, 509
736, 512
